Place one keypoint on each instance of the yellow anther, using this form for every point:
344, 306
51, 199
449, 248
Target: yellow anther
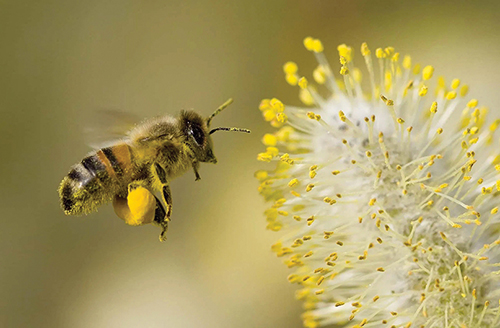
400, 120
281, 117
310, 220
317, 46
365, 51
464, 90
343, 61
277, 105
433, 108
455, 83
345, 51
416, 69
264, 157
269, 139
290, 67
342, 116
395, 57
473, 140
319, 75
494, 125
265, 104
372, 201
423, 91
441, 83
379, 53
273, 151
306, 97
427, 72
356, 74
303, 83
309, 43
293, 183
451, 95
335, 172
312, 174
344, 70
261, 175
309, 187
283, 213
472, 103
494, 210
407, 62
439, 130
269, 115
291, 79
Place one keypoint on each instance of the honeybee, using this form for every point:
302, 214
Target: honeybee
129, 172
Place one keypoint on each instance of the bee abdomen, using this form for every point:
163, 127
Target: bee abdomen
93, 181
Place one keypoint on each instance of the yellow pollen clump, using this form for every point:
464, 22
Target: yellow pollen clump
293, 183
427, 72
137, 209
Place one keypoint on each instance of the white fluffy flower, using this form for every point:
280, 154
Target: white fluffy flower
385, 196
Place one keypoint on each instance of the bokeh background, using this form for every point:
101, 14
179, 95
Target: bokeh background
61, 60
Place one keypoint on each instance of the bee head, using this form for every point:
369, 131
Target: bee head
197, 131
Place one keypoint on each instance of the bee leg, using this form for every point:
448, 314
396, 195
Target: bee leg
167, 198
159, 219
195, 165
195, 169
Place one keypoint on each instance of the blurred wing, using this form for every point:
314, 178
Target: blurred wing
107, 126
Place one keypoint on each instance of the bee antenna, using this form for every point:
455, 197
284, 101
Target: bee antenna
229, 129
218, 110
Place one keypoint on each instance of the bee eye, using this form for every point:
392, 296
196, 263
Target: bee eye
198, 134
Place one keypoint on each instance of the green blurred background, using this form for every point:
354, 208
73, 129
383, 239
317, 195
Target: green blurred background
63, 59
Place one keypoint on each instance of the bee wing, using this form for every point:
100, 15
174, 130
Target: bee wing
107, 126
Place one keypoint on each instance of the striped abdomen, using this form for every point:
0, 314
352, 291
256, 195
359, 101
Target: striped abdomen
96, 179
